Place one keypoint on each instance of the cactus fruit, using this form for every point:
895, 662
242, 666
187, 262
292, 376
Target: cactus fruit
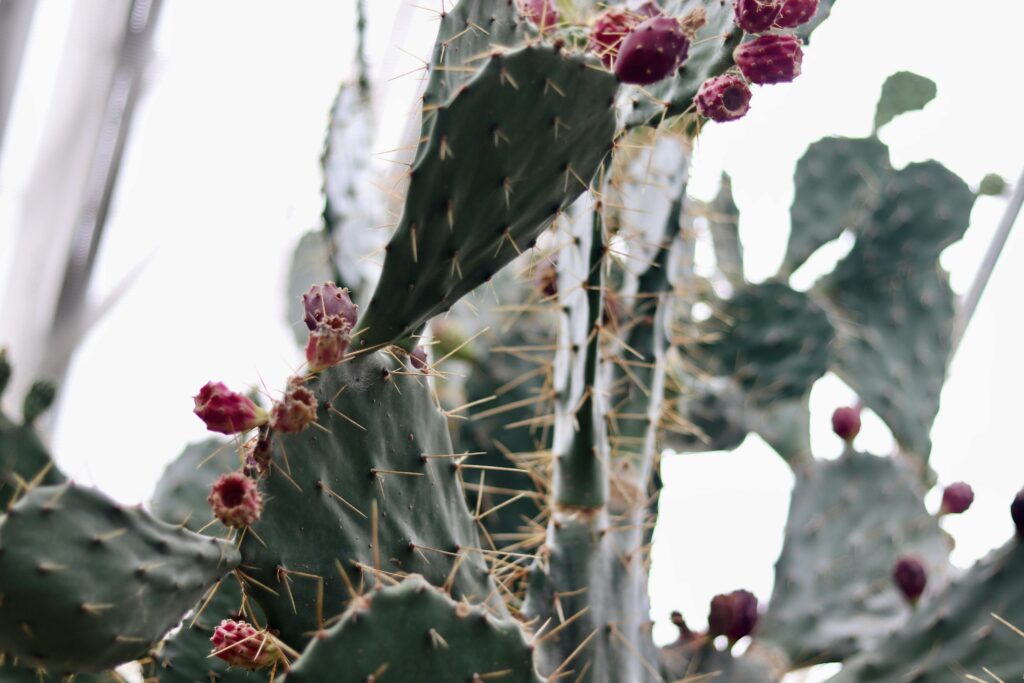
418, 359
956, 498
325, 301
241, 644
755, 16
771, 58
723, 98
226, 411
295, 411
236, 500
1017, 513
846, 423
609, 30
543, 13
733, 615
909, 575
653, 50
796, 13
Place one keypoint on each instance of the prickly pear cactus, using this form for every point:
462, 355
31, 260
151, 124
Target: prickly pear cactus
549, 174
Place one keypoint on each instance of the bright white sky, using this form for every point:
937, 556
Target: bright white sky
222, 176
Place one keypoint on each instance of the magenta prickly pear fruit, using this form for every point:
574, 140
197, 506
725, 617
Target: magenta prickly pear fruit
326, 301
1017, 513
243, 645
796, 13
846, 423
226, 411
771, 58
956, 498
723, 98
733, 615
609, 30
544, 13
236, 500
296, 410
756, 16
418, 358
910, 577
654, 49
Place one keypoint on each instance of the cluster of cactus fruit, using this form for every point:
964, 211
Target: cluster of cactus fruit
362, 529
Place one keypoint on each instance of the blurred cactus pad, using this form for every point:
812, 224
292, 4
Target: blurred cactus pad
461, 484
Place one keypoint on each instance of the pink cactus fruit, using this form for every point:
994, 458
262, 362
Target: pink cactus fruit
796, 13
226, 411
608, 32
956, 498
418, 358
910, 577
543, 13
296, 410
236, 500
846, 423
756, 16
326, 301
241, 644
1017, 513
771, 58
330, 316
733, 615
723, 98
656, 48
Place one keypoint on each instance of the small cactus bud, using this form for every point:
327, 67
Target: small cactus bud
243, 645
909, 576
546, 278
1017, 513
236, 500
38, 399
723, 98
685, 634
326, 301
653, 50
5, 370
956, 498
846, 423
733, 615
296, 410
756, 16
771, 58
543, 13
796, 13
418, 358
226, 411
327, 343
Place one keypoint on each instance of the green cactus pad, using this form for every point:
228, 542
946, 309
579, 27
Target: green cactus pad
838, 182
771, 340
377, 422
589, 583
724, 223
24, 460
517, 144
414, 632
15, 674
185, 656
74, 562
902, 92
848, 522
180, 495
972, 631
892, 304
467, 33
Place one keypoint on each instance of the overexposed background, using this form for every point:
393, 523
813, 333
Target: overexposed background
222, 176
